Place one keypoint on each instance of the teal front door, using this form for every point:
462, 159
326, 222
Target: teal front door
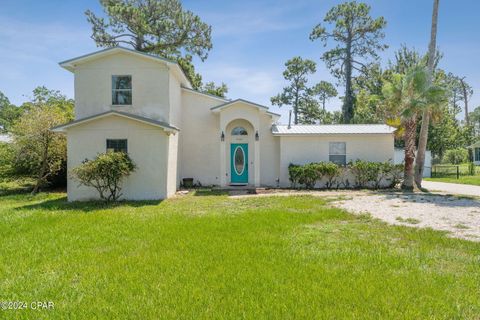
239, 163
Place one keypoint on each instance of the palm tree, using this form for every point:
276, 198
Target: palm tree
422, 142
406, 97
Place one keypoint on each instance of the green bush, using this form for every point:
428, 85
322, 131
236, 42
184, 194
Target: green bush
365, 174
105, 173
455, 156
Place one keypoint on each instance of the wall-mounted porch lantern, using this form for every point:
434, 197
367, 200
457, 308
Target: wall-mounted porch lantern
222, 137
256, 136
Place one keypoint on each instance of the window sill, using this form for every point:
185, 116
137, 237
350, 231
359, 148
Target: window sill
120, 105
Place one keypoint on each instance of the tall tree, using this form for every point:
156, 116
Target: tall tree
157, 26
467, 92
358, 38
9, 113
296, 72
423, 139
161, 27
406, 96
37, 148
324, 91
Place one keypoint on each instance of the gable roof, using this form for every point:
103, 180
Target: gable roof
253, 104
332, 129
167, 127
71, 64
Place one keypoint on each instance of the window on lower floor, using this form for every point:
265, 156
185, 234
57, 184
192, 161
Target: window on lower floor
117, 145
477, 154
338, 153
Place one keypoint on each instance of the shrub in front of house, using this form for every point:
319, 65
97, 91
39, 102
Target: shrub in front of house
363, 174
105, 173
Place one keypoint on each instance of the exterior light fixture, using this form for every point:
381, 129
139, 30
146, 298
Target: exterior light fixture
222, 137
256, 136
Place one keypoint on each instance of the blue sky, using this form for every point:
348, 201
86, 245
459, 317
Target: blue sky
251, 41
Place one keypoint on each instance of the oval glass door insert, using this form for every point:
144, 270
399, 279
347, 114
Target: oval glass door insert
239, 157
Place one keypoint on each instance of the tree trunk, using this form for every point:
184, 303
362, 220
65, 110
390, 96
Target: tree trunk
465, 100
348, 101
409, 138
422, 142
323, 103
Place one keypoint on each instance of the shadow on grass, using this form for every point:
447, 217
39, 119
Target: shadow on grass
62, 204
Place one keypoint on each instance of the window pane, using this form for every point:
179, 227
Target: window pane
239, 160
338, 148
121, 82
117, 145
340, 160
239, 131
121, 97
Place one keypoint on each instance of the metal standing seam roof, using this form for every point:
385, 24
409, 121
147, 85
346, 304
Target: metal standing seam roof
332, 129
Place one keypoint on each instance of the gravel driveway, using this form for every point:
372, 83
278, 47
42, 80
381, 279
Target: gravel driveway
459, 216
452, 188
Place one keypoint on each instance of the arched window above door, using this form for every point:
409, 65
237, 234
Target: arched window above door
239, 131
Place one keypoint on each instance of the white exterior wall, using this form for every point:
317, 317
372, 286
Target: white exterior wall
200, 133
427, 167
270, 153
150, 86
147, 146
306, 149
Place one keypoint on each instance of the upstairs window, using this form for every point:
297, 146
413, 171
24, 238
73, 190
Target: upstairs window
117, 145
239, 131
122, 90
338, 153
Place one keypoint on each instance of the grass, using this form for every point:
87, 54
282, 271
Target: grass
408, 220
464, 178
472, 180
212, 257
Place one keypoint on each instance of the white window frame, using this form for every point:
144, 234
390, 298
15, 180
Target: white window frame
337, 154
117, 90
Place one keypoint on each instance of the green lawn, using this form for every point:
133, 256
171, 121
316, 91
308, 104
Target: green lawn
473, 180
207, 256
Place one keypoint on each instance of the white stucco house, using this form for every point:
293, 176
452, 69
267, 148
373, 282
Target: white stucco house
142, 104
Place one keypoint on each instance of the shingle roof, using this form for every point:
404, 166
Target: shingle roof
132, 116
332, 129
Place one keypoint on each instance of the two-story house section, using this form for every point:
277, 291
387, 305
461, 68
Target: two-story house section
144, 105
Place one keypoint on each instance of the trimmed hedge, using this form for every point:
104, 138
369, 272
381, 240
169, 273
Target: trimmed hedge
364, 174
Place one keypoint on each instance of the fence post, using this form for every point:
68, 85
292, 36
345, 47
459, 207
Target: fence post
458, 172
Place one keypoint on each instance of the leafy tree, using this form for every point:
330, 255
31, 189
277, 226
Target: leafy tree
406, 96
475, 120
39, 152
297, 70
8, 113
366, 108
105, 173
161, 27
212, 88
37, 149
358, 37
456, 156
157, 26
324, 91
